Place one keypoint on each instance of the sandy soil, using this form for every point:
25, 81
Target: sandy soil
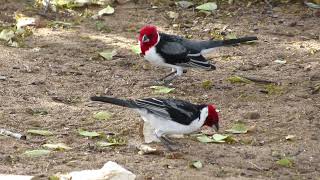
59, 70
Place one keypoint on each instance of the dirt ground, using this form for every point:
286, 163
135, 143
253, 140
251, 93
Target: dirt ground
58, 70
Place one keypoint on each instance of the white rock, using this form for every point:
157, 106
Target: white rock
14, 177
110, 171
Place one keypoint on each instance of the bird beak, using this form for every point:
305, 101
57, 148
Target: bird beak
145, 39
216, 127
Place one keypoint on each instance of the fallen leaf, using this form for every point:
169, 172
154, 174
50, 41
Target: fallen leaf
136, 49
162, 89
205, 139
24, 21
40, 132
230, 36
238, 128
238, 79
102, 115
184, 4
196, 164
219, 137
108, 54
312, 5
37, 153
290, 137
106, 144
286, 162
88, 133
211, 6
108, 10
6, 34
173, 15
58, 146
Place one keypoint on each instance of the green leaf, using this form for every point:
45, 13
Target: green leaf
6, 34
162, 89
219, 138
102, 115
196, 164
108, 10
184, 4
58, 146
312, 5
40, 132
136, 49
205, 139
37, 153
231, 36
88, 133
238, 128
108, 54
238, 79
210, 6
286, 162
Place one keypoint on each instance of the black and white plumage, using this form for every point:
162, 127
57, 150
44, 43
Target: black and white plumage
169, 116
179, 53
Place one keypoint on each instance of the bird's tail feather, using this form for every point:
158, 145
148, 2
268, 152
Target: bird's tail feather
115, 101
213, 44
239, 40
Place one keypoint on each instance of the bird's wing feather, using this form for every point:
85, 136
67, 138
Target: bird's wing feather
174, 49
176, 110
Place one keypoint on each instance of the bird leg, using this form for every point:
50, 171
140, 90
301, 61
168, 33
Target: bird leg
166, 80
166, 76
167, 143
169, 140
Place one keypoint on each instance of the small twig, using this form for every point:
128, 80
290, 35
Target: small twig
258, 80
256, 166
14, 135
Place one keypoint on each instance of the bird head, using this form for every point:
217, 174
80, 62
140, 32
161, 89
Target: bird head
148, 37
212, 118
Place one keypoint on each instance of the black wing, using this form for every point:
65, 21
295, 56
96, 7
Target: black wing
172, 109
174, 51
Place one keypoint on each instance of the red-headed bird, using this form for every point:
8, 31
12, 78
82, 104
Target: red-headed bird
178, 53
169, 116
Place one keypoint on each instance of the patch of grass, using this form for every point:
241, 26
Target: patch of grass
273, 89
207, 84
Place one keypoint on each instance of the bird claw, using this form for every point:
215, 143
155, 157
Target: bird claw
169, 144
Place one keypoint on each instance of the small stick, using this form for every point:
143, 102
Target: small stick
14, 135
256, 166
258, 80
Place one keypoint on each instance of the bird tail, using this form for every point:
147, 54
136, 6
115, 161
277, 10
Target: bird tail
238, 40
115, 101
214, 44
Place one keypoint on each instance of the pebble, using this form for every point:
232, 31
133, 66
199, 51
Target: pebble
3, 78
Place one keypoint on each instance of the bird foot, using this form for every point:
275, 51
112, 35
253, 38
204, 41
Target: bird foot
169, 144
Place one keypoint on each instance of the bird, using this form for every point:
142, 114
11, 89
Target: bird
178, 53
169, 116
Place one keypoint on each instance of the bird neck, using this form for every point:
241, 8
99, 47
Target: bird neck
203, 115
